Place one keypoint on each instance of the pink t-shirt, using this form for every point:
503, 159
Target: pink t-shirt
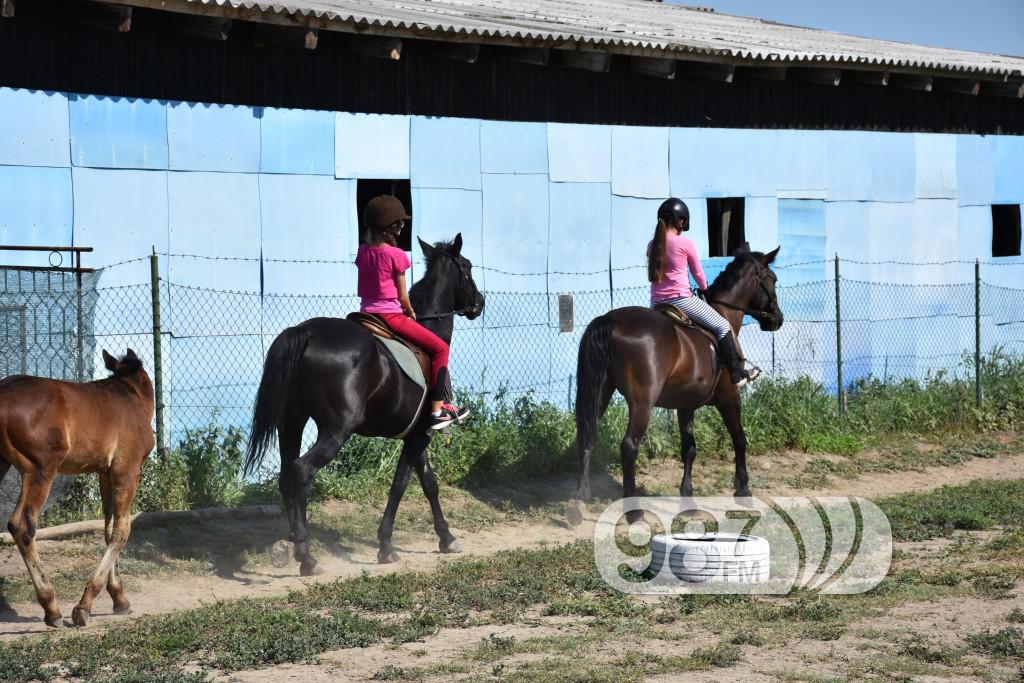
681, 259
379, 268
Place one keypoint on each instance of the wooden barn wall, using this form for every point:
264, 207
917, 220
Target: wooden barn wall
154, 60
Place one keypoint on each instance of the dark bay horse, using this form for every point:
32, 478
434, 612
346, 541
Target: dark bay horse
652, 362
332, 370
50, 427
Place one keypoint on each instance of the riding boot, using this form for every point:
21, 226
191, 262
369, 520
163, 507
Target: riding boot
731, 356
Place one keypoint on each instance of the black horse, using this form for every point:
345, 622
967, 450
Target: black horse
654, 362
332, 371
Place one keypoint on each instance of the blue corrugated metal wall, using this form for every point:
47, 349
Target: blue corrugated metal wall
543, 209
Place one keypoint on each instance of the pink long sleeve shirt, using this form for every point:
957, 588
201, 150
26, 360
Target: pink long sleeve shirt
681, 260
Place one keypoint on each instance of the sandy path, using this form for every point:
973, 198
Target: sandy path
165, 593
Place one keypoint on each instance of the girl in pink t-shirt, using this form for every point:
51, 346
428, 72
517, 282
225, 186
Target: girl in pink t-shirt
671, 259
382, 289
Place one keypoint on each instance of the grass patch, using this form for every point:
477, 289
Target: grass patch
1007, 642
975, 506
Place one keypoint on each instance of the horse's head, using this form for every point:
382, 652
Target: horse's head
749, 278
454, 273
127, 366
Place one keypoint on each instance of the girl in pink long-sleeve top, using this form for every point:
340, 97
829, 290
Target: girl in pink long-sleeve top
671, 259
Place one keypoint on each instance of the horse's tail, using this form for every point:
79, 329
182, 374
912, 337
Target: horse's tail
275, 388
591, 384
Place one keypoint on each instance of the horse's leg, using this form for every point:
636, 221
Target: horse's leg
428, 481
729, 408
124, 479
386, 553
35, 488
629, 449
688, 449
290, 440
114, 586
329, 441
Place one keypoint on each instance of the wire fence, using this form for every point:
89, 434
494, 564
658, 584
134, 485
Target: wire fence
895, 321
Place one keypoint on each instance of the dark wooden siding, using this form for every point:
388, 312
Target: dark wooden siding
40, 51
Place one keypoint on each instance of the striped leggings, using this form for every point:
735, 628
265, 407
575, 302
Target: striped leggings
701, 313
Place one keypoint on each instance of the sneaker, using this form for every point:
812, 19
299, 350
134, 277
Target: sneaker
449, 415
753, 373
459, 413
739, 378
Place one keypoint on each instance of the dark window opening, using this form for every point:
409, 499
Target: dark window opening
1006, 229
725, 226
368, 189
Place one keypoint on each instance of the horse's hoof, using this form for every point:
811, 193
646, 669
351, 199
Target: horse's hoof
125, 608
55, 622
574, 512
744, 498
453, 547
309, 568
389, 557
280, 554
80, 616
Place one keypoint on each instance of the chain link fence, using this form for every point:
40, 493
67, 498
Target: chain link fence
895, 321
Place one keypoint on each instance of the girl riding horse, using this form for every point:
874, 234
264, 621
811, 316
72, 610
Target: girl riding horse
382, 288
671, 258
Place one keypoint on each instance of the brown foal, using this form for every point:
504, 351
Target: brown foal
50, 427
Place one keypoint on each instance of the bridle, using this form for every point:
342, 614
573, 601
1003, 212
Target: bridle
466, 281
758, 315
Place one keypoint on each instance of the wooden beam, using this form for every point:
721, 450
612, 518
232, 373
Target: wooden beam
961, 86
659, 68
265, 34
1005, 89
7, 10
210, 28
820, 76
867, 77
468, 53
371, 46
768, 73
107, 17
599, 62
710, 72
912, 82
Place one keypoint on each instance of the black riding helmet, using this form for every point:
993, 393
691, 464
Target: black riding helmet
673, 209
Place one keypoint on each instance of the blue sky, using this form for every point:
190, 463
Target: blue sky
995, 26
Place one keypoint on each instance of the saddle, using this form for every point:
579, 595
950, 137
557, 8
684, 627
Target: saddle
376, 325
413, 361
683, 320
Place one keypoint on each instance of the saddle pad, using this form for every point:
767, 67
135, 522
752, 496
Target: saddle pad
406, 360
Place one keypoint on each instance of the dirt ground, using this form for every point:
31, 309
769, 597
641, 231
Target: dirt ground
231, 559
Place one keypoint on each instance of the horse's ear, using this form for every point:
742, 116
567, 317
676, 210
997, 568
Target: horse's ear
768, 258
428, 251
457, 245
742, 249
109, 361
130, 355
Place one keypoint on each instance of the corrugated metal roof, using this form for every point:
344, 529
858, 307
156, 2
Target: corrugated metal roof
630, 26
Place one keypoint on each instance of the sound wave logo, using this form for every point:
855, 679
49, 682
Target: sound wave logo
770, 545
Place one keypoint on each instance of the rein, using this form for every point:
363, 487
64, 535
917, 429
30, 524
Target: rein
458, 311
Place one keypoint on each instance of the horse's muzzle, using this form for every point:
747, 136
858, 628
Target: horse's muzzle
771, 321
477, 308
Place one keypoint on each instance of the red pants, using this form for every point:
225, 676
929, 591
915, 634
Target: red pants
407, 328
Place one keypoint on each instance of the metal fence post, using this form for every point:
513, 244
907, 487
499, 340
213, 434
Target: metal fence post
158, 366
977, 332
839, 351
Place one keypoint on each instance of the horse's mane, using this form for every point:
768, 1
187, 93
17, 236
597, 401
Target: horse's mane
443, 246
730, 277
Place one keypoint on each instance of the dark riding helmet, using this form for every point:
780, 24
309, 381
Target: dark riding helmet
673, 209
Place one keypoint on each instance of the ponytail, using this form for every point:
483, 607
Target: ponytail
656, 256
